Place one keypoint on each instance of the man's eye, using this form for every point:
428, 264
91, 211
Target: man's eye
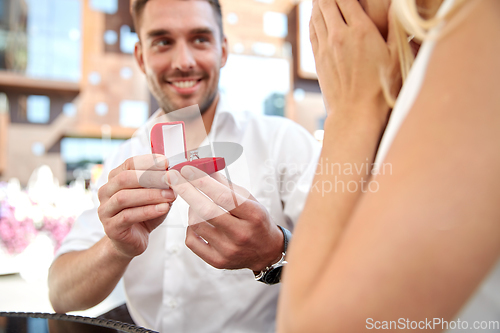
201, 40
162, 42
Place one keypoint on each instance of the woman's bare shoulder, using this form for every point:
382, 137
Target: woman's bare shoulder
468, 49
434, 217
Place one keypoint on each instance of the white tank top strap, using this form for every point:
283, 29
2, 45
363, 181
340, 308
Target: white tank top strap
409, 92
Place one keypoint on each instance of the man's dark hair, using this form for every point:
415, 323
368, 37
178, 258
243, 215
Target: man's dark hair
137, 8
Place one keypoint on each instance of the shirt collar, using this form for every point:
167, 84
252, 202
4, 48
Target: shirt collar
222, 115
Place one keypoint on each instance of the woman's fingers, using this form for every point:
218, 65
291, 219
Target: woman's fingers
351, 58
351, 11
318, 21
332, 17
313, 37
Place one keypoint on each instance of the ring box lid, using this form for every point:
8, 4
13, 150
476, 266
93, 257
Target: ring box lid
169, 139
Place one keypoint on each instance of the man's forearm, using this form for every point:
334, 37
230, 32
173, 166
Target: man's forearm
80, 280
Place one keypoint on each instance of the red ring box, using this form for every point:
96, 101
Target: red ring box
169, 139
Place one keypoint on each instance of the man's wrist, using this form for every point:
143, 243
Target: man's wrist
111, 251
272, 274
278, 249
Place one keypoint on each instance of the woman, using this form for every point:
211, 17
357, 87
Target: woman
411, 248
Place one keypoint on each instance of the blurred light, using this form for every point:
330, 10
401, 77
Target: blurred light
279, 103
84, 173
264, 49
319, 135
35, 260
275, 24
74, 34
133, 113
38, 149
110, 37
126, 73
239, 48
38, 109
127, 39
4, 103
265, 1
69, 109
94, 78
305, 54
96, 172
299, 95
244, 73
232, 18
101, 109
105, 6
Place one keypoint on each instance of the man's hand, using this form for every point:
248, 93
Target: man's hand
134, 201
230, 231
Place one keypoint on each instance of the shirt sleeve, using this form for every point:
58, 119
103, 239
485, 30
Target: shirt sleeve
298, 156
87, 229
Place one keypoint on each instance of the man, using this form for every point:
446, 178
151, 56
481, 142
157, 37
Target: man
135, 231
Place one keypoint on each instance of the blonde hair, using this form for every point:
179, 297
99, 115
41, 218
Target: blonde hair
415, 21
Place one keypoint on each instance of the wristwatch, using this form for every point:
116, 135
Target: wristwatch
272, 274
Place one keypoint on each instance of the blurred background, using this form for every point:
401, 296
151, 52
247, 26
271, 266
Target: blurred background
71, 92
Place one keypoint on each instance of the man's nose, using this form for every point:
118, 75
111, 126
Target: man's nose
183, 57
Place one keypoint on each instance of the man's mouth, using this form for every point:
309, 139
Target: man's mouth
185, 84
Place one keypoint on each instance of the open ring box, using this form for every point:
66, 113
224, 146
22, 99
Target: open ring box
169, 139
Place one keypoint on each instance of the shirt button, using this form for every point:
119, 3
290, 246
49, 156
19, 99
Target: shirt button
174, 249
172, 303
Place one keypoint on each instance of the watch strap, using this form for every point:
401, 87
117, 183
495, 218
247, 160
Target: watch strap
272, 274
287, 235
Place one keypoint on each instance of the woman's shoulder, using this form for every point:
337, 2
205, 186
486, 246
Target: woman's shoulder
464, 64
472, 32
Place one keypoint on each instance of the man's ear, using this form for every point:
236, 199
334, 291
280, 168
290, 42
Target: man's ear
225, 52
139, 57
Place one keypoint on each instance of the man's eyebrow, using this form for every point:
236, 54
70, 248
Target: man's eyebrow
205, 30
195, 31
157, 32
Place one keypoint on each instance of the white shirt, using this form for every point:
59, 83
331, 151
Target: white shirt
485, 305
170, 289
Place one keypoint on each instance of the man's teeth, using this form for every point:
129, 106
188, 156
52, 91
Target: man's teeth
184, 84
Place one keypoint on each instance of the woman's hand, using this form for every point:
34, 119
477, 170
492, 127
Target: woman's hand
353, 60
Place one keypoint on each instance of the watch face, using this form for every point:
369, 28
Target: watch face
273, 276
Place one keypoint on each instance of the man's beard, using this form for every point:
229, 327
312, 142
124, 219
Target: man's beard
204, 105
167, 106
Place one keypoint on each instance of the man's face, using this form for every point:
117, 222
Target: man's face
181, 51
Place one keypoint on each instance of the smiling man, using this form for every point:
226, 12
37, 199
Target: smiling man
181, 52
199, 278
